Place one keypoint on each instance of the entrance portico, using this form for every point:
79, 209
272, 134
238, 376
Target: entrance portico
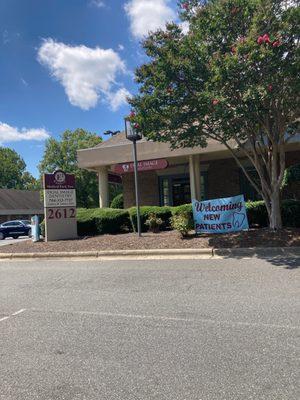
170, 177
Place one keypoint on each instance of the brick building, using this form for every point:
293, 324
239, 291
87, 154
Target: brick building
174, 177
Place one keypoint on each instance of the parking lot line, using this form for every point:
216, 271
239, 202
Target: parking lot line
13, 314
168, 318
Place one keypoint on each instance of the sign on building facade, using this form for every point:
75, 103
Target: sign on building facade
220, 215
60, 206
146, 165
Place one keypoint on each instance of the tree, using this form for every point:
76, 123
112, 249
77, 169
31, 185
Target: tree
62, 154
29, 182
12, 168
233, 78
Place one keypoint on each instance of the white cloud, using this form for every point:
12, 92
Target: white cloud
97, 3
185, 27
12, 134
118, 99
148, 15
85, 73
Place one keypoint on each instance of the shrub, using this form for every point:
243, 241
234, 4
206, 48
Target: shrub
290, 212
86, 224
153, 222
257, 213
102, 221
182, 223
117, 202
164, 213
185, 208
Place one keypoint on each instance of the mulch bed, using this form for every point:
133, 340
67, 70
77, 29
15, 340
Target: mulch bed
163, 240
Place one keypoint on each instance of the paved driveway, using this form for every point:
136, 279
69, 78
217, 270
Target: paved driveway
163, 330
12, 241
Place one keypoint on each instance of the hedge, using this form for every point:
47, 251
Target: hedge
118, 201
102, 220
290, 212
165, 213
111, 221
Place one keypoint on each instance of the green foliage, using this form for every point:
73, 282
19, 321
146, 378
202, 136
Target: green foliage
29, 182
164, 213
234, 78
118, 201
291, 174
258, 216
12, 171
113, 190
112, 221
153, 222
182, 223
101, 221
257, 213
185, 208
62, 154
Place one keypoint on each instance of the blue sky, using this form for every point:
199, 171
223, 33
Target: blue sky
66, 64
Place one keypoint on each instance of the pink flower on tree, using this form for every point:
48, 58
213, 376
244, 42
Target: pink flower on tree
260, 40
277, 43
185, 6
270, 88
136, 126
264, 39
215, 102
132, 114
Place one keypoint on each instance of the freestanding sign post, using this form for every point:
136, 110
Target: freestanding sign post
60, 206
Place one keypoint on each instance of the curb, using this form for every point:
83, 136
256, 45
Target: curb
111, 254
264, 252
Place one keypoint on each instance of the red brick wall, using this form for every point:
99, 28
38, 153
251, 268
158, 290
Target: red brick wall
148, 188
223, 181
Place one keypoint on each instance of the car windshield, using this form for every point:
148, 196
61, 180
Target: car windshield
25, 222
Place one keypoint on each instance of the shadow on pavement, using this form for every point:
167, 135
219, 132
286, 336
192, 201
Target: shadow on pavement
287, 258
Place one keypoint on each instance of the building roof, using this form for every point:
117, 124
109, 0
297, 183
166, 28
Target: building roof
13, 201
117, 140
118, 149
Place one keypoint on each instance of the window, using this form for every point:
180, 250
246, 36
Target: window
12, 223
175, 189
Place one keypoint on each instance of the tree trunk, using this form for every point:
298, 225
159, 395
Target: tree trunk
275, 210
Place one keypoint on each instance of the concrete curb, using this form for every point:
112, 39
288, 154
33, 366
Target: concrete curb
111, 254
264, 252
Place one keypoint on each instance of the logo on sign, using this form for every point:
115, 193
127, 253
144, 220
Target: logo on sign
125, 167
59, 177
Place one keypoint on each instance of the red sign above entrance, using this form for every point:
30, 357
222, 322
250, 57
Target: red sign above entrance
146, 165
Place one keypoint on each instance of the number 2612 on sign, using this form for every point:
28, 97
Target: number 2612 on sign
61, 213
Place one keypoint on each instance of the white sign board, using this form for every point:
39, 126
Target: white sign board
60, 198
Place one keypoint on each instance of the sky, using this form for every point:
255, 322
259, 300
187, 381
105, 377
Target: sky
67, 64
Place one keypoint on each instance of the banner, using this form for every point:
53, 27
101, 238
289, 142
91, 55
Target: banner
220, 215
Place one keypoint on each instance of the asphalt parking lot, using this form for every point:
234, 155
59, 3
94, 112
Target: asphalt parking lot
12, 241
217, 329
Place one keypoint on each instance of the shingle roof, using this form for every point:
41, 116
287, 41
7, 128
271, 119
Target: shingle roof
13, 199
117, 140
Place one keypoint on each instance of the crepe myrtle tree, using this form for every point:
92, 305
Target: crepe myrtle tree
234, 78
